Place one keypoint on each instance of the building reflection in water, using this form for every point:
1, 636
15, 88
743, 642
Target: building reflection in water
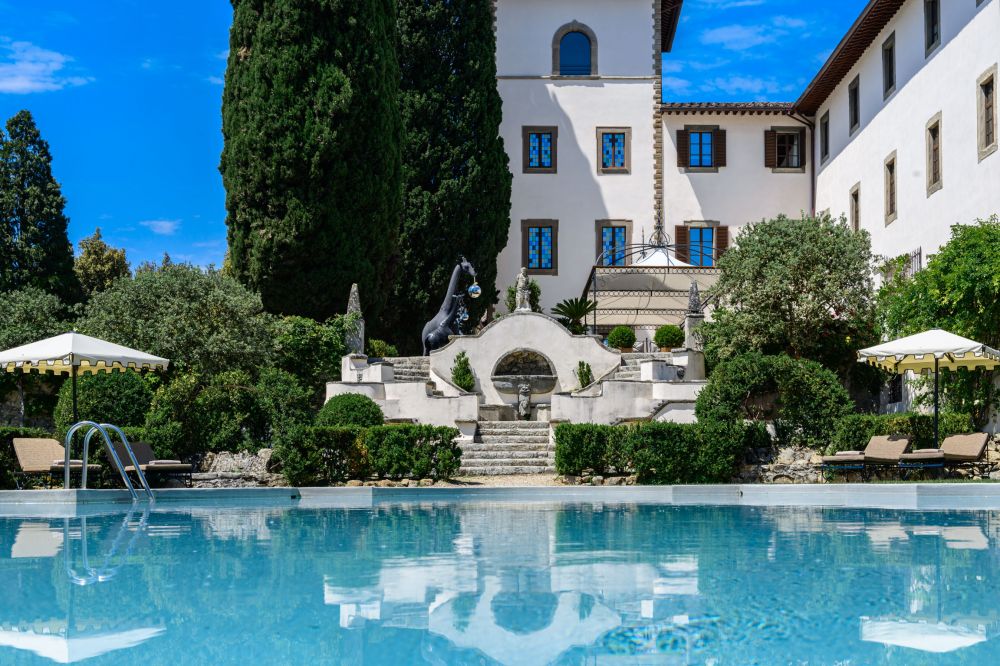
499, 583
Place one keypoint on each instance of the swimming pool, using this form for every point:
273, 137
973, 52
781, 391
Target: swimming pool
487, 582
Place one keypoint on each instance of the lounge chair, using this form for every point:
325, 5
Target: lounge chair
148, 462
882, 451
955, 451
44, 457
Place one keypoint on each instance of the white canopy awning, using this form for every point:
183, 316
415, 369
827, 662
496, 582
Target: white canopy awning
918, 352
74, 350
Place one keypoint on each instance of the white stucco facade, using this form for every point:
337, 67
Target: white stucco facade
744, 190
621, 94
942, 82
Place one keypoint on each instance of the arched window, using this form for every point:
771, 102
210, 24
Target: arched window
574, 54
574, 51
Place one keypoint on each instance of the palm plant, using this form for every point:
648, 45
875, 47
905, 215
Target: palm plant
573, 312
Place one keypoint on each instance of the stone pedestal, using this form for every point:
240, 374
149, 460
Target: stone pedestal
692, 338
658, 370
352, 368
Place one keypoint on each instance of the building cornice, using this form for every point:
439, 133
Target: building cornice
670, 15
727, 108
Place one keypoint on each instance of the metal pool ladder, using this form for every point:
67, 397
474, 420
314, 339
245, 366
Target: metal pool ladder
103, 428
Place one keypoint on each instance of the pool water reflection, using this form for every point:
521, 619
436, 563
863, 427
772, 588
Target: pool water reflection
501, 583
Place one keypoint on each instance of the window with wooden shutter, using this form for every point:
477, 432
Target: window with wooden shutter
770, 149
682, 251
683, 147
720, 147
721, 241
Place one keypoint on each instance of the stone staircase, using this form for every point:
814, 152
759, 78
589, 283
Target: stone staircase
630, 364
509, 447
416, 369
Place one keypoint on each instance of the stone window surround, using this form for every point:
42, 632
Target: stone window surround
799, 132
889, 43
986, 150
891, 217
600, 225
854, 92
574, 26
854, 210
601, 131
536, 129
701, 128
525, 225
824, 137
935, 121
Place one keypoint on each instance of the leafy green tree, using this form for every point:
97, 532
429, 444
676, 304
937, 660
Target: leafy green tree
199, 319
797, 286
312, 161
34, 248
456, 180
99, 264
312, 351
958, 291
119, 398
28, 315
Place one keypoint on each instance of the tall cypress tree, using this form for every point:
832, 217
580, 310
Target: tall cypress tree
456, 180
312, 162
36, 251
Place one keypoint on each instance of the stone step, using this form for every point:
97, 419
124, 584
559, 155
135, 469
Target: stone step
506, 454
515, 425
515, 438
505, 470
507, 446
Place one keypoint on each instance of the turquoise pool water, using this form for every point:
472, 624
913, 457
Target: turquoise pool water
501, 583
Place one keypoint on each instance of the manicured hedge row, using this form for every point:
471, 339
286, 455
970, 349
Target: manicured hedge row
8, 460
671, 453
320, 456
853, 432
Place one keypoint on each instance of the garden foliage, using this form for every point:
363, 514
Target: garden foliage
803, 399
461, 374
312, 160
584, 374
350, 409
668, 337
99, 265
312, 350
621, 337
322, 456
534, 296
667, 453
119, 398
853, 432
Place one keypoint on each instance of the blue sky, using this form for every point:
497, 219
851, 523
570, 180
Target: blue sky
128, 94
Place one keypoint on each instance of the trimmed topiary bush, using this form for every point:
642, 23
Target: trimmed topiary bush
119, 398
321, 456
382, 349
461, 374
802, 398
668, 337
584, 374
621, 337
350, 409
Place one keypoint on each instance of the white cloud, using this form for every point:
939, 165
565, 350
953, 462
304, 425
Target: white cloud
738, 37
730, 4
676, 86
26, 68
162, 227
224, 55
733, 85
216, 80
789, 22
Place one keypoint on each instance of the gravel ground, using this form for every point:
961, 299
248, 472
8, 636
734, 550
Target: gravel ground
512, 481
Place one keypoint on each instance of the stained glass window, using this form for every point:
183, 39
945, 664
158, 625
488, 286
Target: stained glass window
702, 240
701, 149
540, 248
613, 150
613, 245
540, 150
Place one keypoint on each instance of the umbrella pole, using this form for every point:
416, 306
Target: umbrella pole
937, 438
73, 375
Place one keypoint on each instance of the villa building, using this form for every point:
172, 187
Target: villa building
897, 133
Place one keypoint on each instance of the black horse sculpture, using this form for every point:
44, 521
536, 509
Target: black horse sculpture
438, 329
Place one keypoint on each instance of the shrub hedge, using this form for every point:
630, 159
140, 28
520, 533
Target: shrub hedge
321, 456
350, 409
670, 453
802, 398
853, 432
120, 398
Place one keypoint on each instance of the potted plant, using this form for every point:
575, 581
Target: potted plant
668, 337
623, 338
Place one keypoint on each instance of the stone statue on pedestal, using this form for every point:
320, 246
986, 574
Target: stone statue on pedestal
524, 402
523, 292
356, 336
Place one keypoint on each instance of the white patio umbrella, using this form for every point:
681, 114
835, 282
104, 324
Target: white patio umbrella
937, 637
73, 354
931, 350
